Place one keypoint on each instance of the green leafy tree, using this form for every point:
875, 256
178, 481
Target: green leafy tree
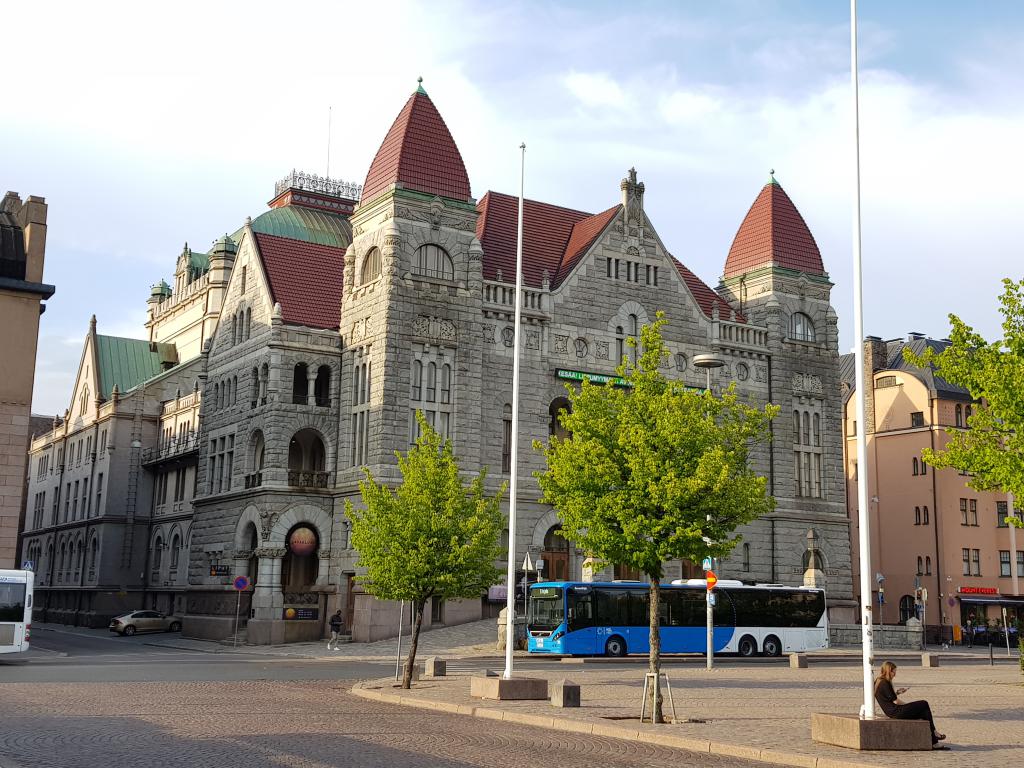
991, 449
655, 471
429, 537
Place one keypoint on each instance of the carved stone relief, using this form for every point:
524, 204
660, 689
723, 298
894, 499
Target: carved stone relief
602, 350
533, 339
508, 336
581, 347
760, 373
489, 334
562, 345
806, 382
448, 330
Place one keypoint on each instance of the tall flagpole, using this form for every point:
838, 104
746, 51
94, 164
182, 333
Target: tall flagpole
510, 606
867, 710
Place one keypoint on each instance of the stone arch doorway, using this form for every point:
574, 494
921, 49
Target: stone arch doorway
301, 563
555, 555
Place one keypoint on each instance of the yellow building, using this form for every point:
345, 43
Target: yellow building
22, 251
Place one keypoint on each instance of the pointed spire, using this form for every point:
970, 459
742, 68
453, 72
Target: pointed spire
92, 325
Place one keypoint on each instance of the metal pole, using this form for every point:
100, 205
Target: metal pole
711, 629
867, 709
238, 603
510, 607
398, 655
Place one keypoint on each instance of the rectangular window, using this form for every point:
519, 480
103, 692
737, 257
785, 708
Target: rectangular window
609, 267
211, 469
1020, 562
963, 511
56, 505
85, 498
806, 471
629, 271
229, 462
796, 473
67, 502
437, 610
746, 557
99, 493
78, 454
616, 269
103, 441
88, 448
917, 419
1004, 562
648, 270
967, 561
976, 562
506, 444
1001, 512
74, 502
974, 511
655, 275
242, 282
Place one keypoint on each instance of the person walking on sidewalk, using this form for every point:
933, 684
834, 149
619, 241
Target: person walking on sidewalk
888, 700
337, 630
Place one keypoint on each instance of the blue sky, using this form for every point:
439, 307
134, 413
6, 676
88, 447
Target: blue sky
146, 126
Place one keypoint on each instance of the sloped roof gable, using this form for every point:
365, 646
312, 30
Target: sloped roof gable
305, 278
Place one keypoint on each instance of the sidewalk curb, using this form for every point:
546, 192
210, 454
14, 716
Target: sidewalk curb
554, 722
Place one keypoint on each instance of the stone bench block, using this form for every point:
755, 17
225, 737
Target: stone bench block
565, 693
798, 661
853, 733
929, 660
435, 667
515, 689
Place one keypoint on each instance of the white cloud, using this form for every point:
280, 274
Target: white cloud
595, 89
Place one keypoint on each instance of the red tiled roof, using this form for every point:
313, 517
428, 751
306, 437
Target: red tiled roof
306, 278
418, 153
702, 293
554, 238
774, 232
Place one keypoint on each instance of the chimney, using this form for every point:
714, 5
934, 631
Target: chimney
875, 359
915, 336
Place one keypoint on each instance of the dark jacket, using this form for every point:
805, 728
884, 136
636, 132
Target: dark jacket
337, 623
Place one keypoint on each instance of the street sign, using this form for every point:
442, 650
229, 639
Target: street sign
527, 563
241, 583
28, 565
924, 594
711, 599
706, 564
711, 579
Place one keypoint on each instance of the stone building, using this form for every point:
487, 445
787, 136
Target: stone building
345, 314
22, 291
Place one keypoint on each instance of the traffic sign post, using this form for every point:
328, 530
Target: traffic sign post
711, 580
241, 584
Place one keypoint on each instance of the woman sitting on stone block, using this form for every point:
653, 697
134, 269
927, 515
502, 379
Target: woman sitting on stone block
888, 700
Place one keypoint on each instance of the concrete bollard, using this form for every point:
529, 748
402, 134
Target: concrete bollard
929, 660
416, 670
565, 693
435, 667
798, 661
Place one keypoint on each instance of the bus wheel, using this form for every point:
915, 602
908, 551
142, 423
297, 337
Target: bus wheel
615, 646
772, 646
747, 646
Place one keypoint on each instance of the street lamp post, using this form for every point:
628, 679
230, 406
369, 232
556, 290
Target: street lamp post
707, 361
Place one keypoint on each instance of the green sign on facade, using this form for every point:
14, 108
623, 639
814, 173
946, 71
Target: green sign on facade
595, 378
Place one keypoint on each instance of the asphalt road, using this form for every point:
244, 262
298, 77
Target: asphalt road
115, 702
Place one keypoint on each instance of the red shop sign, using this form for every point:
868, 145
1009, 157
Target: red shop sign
978, 590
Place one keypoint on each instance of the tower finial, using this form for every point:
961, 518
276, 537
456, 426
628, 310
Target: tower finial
419, 86
771, 176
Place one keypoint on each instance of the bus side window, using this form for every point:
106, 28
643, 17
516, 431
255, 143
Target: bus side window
612, 607
639, 608
581, 611
673, 613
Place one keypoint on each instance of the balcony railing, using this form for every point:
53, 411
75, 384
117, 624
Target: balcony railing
305, 479
167, 449
255, 480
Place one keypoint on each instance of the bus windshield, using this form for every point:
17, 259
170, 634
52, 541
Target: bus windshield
546, 608
12, 602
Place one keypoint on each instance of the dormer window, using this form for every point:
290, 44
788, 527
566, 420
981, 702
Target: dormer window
434, 261
801, 328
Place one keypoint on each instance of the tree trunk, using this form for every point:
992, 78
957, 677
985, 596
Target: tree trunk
654, 665
413, 642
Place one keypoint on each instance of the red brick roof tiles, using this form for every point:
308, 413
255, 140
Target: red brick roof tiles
554, 238
420, 154
774, 232
705, 297
306, 278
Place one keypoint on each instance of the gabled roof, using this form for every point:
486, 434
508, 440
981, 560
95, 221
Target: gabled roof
554, 238
896, 362
127, 363
774, 234
306, 278
705, 297
418, 153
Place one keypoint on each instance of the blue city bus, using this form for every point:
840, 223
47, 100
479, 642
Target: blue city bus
612, 619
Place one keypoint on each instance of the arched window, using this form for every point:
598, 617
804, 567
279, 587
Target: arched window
216, 395
924, 516
300, 384
248, 321
434, 261
256, 451
301, 563
967, 415
746, 557
175, 551
959, 415
322, 386
446, 378
306, 460
917, 515
158, 553
928, 566
431, 382
920, 566
620, 344
915, 465
796, 427
234, 330
907, 608
371, 266
555, 427
924, 467
801, 328
555, 555
506, 438
807, 428
255, 388
234, 390
634, 332
817, 429
252, 541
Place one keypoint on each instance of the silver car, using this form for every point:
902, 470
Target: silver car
144, 621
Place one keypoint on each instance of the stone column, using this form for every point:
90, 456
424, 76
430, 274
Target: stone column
310, 385
267, 599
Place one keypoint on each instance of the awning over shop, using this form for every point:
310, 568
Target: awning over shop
992, 600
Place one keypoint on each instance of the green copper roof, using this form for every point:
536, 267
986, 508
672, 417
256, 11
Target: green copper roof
129, 362
199, 261
771, 177
419, 86
299, 223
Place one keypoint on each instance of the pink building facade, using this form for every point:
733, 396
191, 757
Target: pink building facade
944, 550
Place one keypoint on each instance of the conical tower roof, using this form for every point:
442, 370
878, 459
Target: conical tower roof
418, 153
774, 234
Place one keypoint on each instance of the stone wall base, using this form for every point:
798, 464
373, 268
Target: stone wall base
853, 733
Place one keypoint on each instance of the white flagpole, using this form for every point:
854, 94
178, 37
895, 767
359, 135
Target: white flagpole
510, 605
867, 710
